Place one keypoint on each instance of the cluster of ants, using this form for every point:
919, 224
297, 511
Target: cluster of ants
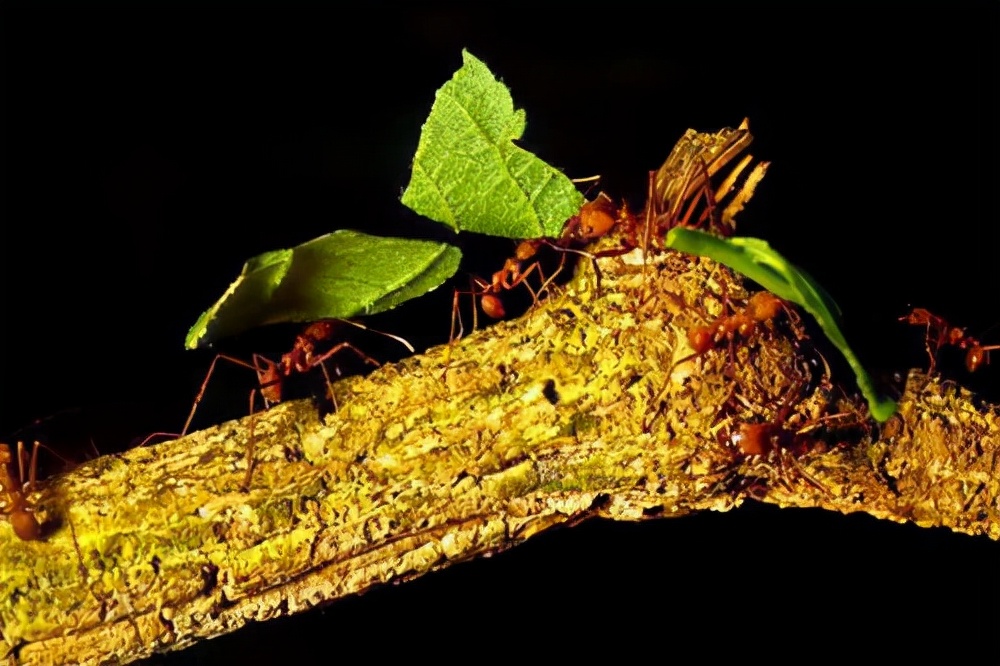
595, 219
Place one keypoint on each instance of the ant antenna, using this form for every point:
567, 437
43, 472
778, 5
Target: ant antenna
397, 338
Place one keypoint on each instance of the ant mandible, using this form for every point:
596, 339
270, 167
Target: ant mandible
16, 505
941, 333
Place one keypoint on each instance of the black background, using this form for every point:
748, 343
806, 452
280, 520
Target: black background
148, 154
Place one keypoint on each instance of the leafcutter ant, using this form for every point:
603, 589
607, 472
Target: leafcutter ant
595, 219
756, 439
14, 491
940, 333
303, 357
775, 440
761, 307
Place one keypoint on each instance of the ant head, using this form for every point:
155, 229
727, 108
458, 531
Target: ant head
763, 306
596, 219
526, 249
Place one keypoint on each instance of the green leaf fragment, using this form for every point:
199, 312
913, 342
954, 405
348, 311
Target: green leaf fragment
468, 173
339, 275
756, 259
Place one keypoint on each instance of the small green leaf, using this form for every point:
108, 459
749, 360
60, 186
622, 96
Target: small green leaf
756, 259
469, 175
342, 274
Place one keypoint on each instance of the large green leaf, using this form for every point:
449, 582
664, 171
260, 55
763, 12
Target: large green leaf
468, 173
756, 259
342, 274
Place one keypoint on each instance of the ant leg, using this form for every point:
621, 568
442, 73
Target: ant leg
200, 395
475, 311
546, 281
805, 475
456, 305
710, 213
661, 397
930, 353
251, 445
329, 386
318, 360
455, 315
29, 486
204, 385
522, 278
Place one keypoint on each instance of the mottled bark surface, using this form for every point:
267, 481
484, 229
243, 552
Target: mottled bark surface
591, 404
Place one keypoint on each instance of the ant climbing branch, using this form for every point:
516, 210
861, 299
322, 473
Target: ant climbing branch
271, 375
595, 219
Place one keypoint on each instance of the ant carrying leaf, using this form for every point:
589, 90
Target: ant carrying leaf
685, 179
342, 274
595, 219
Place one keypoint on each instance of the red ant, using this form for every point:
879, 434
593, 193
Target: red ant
300, 359
762, 439
271, 375
762, 306
940, 333
16, 505
756, 439
595, 219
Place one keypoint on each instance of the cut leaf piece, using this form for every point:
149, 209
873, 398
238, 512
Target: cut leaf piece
339, 275
469, 175
756, 259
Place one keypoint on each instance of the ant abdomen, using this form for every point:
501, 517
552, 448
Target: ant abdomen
26, 526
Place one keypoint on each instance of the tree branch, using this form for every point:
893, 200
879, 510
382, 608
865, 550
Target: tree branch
591, 404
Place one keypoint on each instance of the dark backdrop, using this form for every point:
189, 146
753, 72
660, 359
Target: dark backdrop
146, 155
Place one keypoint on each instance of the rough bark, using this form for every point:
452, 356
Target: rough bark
591, 404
